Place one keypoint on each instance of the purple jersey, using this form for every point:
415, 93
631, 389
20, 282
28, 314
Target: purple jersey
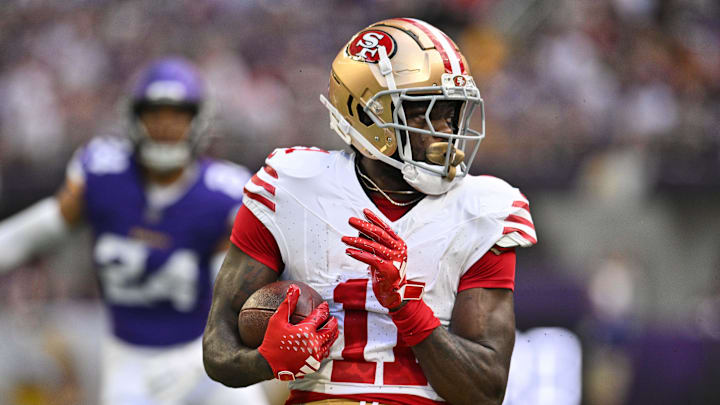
153, 249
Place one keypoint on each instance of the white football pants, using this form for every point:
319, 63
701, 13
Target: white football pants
133, 375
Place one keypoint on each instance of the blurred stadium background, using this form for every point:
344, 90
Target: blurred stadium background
606, 113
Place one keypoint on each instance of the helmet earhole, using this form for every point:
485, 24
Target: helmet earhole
349, 105
362, 115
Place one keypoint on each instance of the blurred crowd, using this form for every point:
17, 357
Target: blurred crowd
566, 82
606, 113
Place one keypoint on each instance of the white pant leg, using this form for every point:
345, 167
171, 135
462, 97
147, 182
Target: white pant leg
165, 376
546, 368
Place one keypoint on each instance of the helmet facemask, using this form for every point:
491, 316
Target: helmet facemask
462, 143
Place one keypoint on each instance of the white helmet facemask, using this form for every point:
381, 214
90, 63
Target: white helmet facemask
445, 169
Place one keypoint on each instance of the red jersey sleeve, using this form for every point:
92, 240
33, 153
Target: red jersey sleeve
253, 238
491, 271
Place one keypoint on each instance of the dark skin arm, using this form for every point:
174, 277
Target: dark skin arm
469, 364
226, 359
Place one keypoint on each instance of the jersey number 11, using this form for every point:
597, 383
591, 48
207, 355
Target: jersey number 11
354, 368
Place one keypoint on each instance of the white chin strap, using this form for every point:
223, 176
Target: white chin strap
163, 157
426, 181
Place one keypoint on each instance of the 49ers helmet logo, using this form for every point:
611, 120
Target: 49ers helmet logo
364, 46
459, 81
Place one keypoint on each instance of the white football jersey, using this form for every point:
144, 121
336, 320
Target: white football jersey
305, 196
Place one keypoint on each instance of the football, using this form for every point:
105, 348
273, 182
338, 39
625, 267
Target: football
261, 305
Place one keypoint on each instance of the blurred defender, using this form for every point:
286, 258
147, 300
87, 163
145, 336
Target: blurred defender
160, 217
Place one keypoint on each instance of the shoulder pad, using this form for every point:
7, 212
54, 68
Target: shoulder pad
105, 155
494, 198
490, 183
226, 177
299, 161
483, 195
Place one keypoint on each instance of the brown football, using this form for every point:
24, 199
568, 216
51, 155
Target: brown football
261, 305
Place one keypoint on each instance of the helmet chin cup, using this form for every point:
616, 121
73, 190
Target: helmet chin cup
164, 157
426, 181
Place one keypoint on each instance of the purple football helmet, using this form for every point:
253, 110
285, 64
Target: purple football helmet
168, 82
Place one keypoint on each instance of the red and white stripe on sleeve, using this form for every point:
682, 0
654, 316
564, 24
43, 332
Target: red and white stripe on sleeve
518, 227
261, 189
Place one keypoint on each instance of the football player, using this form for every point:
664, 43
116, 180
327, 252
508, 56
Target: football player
160, 215
415, 257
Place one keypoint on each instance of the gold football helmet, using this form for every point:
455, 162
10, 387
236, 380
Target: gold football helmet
405, 60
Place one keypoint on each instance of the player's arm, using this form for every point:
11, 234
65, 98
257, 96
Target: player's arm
253, 261
226, 359
482, 335
71, 201
469, 364
41, 225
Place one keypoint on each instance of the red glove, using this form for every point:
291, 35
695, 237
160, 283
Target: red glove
295, 350
386, 253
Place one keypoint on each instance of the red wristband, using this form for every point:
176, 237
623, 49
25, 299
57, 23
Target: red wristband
415, 321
